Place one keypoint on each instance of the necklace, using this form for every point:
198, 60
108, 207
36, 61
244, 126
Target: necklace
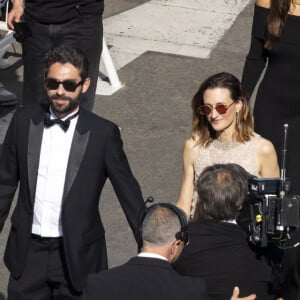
225, 145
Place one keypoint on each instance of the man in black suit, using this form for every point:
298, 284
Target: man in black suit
61, 156
150, 275
219, 251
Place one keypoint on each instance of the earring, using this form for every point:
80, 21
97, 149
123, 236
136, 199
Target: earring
237, 118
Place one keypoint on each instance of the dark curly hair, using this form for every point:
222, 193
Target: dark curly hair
64, 55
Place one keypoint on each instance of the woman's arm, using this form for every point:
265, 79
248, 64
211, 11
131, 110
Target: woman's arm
187, 186
266, 158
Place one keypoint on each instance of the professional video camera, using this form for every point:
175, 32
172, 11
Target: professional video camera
275, 215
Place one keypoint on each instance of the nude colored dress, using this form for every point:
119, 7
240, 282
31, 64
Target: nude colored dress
243, 154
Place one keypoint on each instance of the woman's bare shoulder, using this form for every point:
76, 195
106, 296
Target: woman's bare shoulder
263, 3
267, 159
191, 142
189, 152
264, 146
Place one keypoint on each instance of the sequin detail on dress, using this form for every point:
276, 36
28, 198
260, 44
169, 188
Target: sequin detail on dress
243, 154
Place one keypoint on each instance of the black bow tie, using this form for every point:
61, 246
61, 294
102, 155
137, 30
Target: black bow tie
48, 122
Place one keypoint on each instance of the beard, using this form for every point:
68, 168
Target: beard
69, 105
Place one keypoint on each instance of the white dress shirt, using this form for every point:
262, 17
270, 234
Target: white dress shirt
54, 156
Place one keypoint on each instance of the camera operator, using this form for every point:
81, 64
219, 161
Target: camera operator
219, 251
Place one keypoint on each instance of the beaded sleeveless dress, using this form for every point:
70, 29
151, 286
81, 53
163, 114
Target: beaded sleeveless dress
243, 154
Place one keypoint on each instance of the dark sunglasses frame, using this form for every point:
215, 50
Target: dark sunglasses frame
220, 108
69, 85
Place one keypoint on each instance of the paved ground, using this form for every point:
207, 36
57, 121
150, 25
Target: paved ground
153, 110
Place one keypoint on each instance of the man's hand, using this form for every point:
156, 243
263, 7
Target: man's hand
15, 13
236, 292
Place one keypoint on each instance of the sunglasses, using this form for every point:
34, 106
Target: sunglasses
69, 85
220, 108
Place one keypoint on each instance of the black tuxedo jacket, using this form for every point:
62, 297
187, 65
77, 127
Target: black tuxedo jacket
143, 278
96, 153
219, 253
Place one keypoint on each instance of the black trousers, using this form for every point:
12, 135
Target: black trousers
45, 276
84, 32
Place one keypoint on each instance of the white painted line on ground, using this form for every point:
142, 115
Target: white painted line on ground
184, 27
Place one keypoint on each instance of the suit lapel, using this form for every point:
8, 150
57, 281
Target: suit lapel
36, 128
78, 148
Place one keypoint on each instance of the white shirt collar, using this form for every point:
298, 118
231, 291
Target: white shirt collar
151, 255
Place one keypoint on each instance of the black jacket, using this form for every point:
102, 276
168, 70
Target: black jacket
144, 278
219, 253
96, 154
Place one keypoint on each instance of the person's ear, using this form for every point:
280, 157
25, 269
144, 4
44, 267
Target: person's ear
177, 242
174, 246
239, 105
86, 85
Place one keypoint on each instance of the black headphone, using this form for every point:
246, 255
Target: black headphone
181, 235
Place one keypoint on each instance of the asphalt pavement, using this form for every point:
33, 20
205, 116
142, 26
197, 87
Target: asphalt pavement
153, 111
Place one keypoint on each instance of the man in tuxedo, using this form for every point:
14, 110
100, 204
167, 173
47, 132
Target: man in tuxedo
60, 155
150, 275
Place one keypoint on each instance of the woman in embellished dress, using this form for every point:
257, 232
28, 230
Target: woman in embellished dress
222, 133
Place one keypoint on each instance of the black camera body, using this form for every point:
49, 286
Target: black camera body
275, 214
